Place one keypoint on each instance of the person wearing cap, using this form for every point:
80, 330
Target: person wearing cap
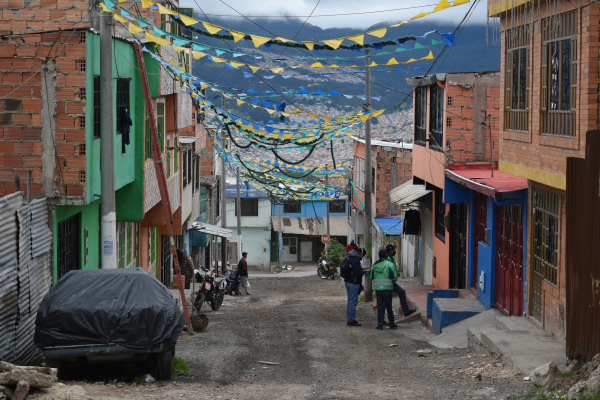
243, 273
391, 252
187, 267
351, 246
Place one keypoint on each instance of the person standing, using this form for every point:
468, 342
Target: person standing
187, 269
353, 283
383, 273
351, 246
390, 250
243, 273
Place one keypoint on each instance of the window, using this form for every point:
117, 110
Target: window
184, 160
249, 207
152, 247
68, 246
189, 165
125, 244
292, 207
175, 157
190, 13
337, 206
545, 239
436, 118
559, 74
148, 139
97, 114
516, 105
197, 172
440, 213
160, 125
122, 101
174, 25
359, 167
421, 115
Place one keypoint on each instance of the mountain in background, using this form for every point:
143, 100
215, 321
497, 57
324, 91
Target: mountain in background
469, 53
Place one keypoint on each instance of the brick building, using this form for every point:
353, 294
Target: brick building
550, 98
50, 116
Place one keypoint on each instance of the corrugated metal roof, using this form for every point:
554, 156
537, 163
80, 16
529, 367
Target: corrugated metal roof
381, 143
407, 193
41, 234
311, 226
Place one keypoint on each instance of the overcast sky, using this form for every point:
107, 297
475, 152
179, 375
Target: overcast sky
364, 20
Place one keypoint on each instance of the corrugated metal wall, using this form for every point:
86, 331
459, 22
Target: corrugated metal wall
25, 273
583, 252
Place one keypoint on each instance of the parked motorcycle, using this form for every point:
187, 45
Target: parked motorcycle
325, 269
233, 282
212, 290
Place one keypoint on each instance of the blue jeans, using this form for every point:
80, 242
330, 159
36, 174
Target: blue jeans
402, 294
384, 302
352, 291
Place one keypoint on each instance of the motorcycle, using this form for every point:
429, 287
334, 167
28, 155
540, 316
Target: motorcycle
233, 282
212, 290
325, 269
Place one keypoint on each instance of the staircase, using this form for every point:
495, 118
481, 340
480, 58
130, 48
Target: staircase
448, 306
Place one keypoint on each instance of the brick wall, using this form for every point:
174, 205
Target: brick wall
384, 160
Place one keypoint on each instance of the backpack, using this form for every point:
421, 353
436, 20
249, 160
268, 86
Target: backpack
346, 269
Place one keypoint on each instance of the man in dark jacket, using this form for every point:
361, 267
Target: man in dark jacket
353, 282
391, 252
243, 273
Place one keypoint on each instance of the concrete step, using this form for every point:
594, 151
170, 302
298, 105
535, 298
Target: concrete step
474, 339
439, 294
450, 311
517, 324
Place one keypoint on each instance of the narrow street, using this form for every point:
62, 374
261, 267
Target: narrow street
300, 323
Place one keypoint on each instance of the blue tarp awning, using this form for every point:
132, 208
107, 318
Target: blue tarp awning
390, 226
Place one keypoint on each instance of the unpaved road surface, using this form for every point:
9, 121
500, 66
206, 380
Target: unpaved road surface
300, 323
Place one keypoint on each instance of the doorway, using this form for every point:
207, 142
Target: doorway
509, 260
458, 246
165, 261
290, 249
306, 250
480, 225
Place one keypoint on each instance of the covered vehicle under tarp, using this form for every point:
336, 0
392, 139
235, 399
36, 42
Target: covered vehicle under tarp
126, 307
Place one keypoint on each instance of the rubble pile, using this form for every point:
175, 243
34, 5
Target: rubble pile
16, 381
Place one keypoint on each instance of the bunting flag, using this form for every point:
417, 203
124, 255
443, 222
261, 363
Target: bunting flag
262, 40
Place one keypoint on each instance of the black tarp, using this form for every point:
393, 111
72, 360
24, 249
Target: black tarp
122, 306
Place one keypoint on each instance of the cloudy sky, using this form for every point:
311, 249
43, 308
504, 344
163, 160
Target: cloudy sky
367, 16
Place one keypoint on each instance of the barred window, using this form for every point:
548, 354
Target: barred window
249, 207
97, 113
421, 115
440, 212
516, 104
122, 101
337, 206
436, 117
545, 239
559, 74
292, 207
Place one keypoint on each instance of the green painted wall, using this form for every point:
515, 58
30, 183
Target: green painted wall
129, 166
89, 219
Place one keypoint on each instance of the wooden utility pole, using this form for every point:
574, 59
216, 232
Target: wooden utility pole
368, 184
223, 195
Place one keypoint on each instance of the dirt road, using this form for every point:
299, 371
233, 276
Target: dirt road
300, 324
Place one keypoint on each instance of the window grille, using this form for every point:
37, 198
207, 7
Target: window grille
337, 206
97, 109
436, 115
122, 101
516, 104
559, 74
292, 207
421, 115
68, 245
545, 239
440, 213
249, 207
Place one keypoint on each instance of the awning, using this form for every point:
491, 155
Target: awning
407, 193
187, 139
211, 229
389, 226
479, 178
311, 226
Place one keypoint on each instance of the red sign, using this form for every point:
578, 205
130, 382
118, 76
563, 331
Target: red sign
325, 239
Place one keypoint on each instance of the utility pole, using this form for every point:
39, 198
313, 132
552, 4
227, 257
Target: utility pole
223, 195
108, 216
491, 144
238, 205
327, 205
368, 184
280, 236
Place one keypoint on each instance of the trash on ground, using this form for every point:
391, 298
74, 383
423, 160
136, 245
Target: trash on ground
267, 362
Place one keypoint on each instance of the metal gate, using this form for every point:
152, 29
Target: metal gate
480, 224
306, 246
290, 249
67, 249
165, 261
458, 246
509, 260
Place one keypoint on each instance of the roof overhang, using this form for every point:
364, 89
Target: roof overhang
311, 226
187, 139
482, 181
407, 193
211, 229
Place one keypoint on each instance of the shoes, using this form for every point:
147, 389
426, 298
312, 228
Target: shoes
379, 327
393, 325
240, 294
248, 294
385, 322
353, 323
410, 312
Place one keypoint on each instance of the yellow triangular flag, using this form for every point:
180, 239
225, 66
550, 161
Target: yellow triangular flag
236, 64
164, 10
392, 61
120, 19
203, 85
240, 102
378, 32
151, 38
286, 114
297, 111
364, 118
459, 2
254, 68
178, 49
198, 55
409, 61
134, 28
259, 40
333, 66
212, 29
312, 116
219, 59
309, 45
373, 64
317, 65
188, 20
276, 70
147, 3
333, 43
428, 57
378, 113
103, 7
270, 111
284, 40
237, 36
420, 15
360, 39
327, 119
399, 23
442, 6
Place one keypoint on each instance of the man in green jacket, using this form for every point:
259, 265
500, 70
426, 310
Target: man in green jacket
391, 252
383, 275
